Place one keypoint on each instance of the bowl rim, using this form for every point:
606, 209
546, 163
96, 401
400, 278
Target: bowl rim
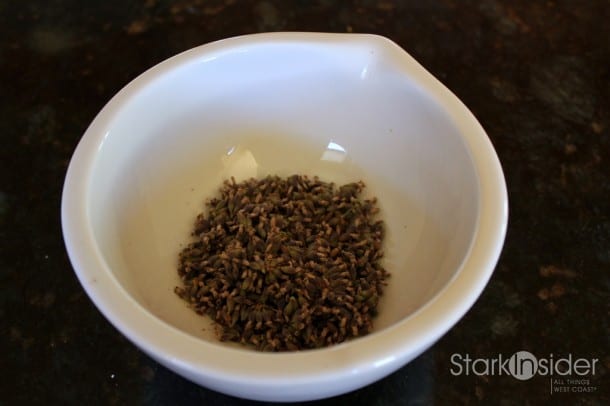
221, 366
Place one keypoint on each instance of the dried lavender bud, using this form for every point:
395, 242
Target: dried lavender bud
285, 264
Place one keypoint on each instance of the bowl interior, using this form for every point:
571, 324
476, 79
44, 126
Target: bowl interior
342, 114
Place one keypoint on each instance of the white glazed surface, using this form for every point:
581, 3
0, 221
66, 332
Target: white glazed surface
340, 106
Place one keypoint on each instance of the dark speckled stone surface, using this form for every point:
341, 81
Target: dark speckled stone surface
535, 73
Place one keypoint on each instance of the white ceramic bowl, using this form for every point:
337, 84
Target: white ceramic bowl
341, 106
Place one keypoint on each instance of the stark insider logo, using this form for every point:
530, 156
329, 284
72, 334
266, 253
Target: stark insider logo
522, 365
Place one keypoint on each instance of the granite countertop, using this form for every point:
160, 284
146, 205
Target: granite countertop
535, 73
